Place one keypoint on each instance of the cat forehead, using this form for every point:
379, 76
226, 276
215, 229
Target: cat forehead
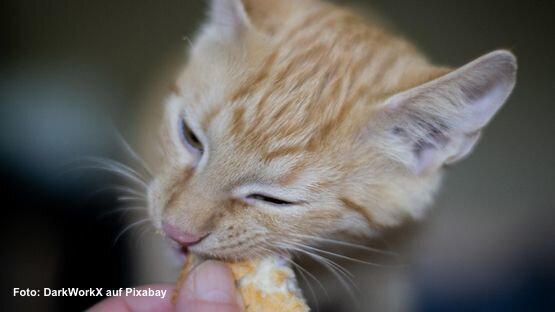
272, 122
309, 84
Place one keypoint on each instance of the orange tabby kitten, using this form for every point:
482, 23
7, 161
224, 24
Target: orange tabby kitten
297, 120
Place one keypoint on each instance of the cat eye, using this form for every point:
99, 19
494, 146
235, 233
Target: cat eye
271, 200
189, 138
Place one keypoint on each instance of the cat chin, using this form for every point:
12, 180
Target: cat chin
179, 253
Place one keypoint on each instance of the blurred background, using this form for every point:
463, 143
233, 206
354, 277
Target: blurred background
72, 72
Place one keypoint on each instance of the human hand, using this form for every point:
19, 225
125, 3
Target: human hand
210, 287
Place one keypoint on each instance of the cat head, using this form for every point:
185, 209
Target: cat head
294, 120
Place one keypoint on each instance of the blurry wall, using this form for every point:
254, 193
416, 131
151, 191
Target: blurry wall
71, 71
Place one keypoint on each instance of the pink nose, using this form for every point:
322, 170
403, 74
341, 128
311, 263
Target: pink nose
180, 236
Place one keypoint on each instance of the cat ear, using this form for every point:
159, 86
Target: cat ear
229, 16
440, 121
234, 16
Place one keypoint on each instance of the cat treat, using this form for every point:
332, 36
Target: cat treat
266, 284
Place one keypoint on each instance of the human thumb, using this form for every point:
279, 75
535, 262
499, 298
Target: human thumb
210, 287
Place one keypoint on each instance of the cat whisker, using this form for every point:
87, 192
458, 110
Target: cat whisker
114, 167
129, 191
133, 153
121, 209
302, 248
341, 269
301, 269
119, 188
327, 252
188, 40
111, 169
109, 162
346, 281
129, 227
347, 244
303, 272
342, 275
117, 172
145, 230
131, 198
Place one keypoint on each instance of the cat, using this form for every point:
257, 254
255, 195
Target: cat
296, 121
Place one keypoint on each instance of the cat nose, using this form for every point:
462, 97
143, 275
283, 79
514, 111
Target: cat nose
182, 237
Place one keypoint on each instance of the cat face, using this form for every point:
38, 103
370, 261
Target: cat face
295, 120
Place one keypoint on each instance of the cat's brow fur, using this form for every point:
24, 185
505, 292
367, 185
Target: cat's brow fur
290, 94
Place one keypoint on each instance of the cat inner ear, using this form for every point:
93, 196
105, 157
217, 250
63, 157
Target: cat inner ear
440, 121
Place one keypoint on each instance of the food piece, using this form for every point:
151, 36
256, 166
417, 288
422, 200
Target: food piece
266, 285
190, 263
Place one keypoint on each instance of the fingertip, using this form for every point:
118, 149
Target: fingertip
151, 303
210, 287
131, 303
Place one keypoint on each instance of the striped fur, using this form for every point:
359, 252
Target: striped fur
288, 98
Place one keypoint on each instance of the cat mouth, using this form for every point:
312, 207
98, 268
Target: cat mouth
182, 250
177, 251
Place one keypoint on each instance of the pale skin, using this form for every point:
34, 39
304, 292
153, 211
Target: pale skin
209, 288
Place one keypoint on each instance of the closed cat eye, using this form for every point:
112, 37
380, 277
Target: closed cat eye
268, 199
190, 140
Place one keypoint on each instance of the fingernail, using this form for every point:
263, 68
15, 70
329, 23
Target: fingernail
212, 281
